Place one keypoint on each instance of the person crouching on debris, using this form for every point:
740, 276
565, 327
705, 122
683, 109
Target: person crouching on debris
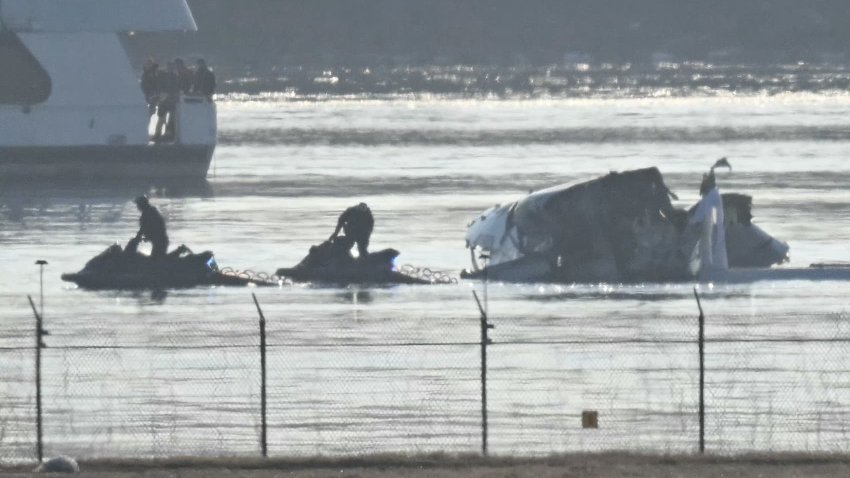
152, 227
357, 222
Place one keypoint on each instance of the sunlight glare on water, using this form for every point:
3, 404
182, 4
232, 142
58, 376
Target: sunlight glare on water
285, 168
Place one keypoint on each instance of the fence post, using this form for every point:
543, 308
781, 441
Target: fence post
485, 341
39, 344
263, 434
701, 374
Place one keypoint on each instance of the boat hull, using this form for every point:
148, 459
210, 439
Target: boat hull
126, 269
154, 281
331, 263
116, 162
348, 277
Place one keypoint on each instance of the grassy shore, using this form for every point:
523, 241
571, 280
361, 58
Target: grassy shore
611, 465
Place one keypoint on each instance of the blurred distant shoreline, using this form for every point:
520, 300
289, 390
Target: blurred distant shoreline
511, 49
256, 34
569, 80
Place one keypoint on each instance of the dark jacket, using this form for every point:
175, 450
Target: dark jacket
152, 225
149, 83
204, 83
169, 85
186, 79
357, 221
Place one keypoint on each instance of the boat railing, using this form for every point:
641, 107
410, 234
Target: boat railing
195, 120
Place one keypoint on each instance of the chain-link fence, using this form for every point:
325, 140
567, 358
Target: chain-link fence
415, 386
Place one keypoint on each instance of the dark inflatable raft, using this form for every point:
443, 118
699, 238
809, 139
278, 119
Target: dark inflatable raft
332, 263
117, 268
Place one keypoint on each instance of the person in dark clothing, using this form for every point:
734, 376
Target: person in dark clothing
168, 83
185, 76
357, 222
204, 83
150, 88
152, 228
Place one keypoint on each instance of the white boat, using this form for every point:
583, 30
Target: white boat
70, 100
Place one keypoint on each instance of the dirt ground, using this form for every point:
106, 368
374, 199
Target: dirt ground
597, 465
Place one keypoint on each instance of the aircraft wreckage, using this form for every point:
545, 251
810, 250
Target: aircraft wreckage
623, 228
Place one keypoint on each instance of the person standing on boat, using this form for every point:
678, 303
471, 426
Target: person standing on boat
204, 81
150, 87
168, 83
357, 222
184, 75
152, 228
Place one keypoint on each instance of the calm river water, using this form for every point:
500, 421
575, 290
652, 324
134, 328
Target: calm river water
396, 368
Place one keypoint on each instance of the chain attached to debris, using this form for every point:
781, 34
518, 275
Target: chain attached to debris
259, 278
426, 274
262, 278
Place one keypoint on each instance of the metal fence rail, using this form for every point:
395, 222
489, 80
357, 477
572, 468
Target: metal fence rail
198, 389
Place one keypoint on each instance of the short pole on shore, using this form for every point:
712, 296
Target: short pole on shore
41, 263
264, 426
485, 341
701, 374
39, 344
486, 259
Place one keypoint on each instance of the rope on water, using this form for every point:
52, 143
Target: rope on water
426, 274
